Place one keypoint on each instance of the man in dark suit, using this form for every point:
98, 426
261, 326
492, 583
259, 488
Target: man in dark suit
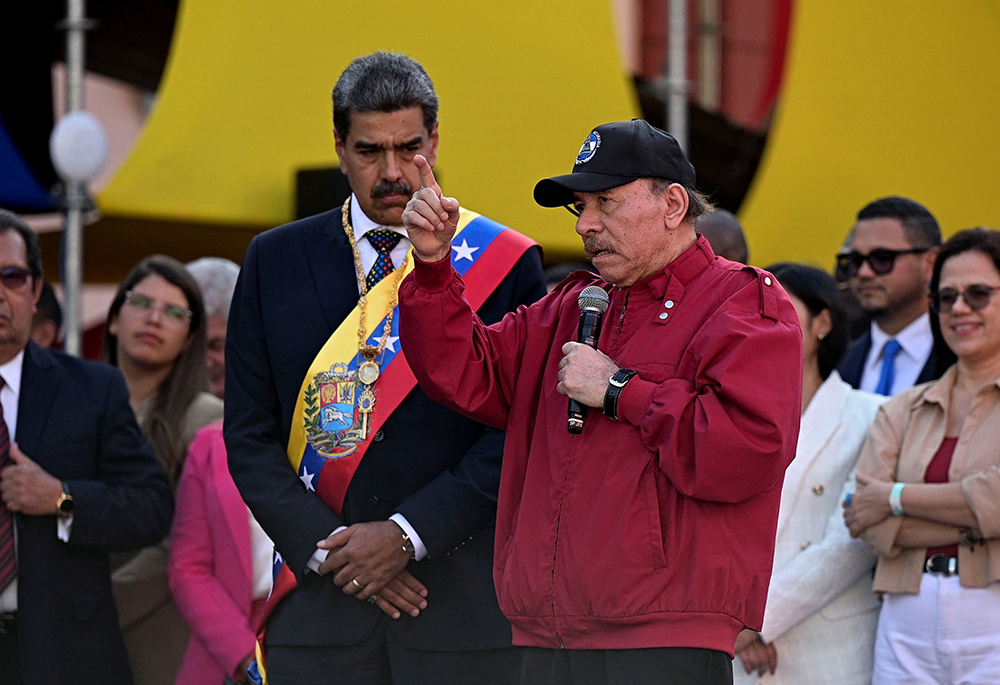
400, 590
892, 248
79, 481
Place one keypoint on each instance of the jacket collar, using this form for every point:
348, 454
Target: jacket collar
683, 270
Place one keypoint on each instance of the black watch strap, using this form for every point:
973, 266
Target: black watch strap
615, 386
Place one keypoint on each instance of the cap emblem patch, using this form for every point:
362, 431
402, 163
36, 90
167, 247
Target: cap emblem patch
589, 147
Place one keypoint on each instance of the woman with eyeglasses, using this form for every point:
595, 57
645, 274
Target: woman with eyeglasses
928, 496
819, 622
155, 333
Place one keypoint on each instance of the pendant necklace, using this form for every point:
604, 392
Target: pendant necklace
369, 366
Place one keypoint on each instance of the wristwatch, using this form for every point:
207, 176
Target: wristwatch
408, 546
64, 505
615, 386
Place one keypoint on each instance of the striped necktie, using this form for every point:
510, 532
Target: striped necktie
8, 560
383, 241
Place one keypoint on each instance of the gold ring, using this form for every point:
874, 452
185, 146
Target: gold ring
373, 599
356, 583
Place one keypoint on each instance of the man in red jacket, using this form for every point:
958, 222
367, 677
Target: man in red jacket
641, 546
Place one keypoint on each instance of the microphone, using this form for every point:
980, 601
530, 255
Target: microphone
593, 303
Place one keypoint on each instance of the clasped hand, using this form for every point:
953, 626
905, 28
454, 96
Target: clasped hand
584, 374
372, 554
869, 504
27, 487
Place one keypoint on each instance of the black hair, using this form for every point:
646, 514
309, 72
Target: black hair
983, 240
919, 225
383, 82
188, 377
47, 308
818, 291
10, 221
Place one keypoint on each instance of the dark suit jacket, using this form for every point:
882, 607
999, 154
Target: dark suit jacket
74, 420
852, 365
437, 468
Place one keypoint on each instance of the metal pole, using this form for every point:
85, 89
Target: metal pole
76, 192
677, 84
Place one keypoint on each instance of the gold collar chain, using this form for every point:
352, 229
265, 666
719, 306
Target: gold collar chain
370, 373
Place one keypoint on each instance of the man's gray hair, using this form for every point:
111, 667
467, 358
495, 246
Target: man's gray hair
216, 278
383, 82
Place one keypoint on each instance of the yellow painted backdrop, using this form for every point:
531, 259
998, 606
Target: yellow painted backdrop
246, 101
896, 97
892, 97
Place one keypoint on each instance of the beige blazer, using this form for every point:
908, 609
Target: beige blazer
821, 613
155, 633
904, 439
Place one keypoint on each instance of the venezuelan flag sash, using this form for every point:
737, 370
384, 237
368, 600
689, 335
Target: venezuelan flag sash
326, 446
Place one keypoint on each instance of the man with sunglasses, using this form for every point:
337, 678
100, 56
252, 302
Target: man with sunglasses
77, 480
891, 253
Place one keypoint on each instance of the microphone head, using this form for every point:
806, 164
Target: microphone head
593, 297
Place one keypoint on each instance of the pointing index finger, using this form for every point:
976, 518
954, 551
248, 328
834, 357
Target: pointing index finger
427, 179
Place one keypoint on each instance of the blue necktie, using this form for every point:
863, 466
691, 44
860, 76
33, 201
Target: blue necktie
383, 241
888, 375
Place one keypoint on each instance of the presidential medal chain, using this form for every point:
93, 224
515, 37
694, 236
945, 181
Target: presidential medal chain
369, 366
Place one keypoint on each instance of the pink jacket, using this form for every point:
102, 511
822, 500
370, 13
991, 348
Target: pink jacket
211, 573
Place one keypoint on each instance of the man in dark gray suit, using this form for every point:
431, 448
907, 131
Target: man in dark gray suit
77, 480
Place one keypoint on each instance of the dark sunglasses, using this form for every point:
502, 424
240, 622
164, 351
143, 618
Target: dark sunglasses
977, 296
881, 261
14, 277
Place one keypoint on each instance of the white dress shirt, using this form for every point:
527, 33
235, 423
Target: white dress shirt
361, 225
916, 341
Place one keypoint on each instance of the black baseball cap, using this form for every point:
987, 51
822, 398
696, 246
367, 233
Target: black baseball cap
615, 154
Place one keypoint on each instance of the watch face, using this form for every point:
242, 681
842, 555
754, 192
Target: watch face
66, 506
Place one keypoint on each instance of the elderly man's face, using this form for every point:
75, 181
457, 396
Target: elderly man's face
625, 231
377, 158
17, 300
215, 355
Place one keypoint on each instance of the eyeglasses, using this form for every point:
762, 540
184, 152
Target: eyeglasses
977, 296
174, 315
881, 261
14, 277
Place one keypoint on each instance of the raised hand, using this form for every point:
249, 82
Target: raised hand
430, 219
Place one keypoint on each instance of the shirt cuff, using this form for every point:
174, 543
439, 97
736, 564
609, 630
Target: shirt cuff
319, 556
64, 526
419, 551
433, 277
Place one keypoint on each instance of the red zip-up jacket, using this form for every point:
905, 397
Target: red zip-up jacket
656, 530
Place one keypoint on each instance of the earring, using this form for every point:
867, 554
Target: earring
821, 336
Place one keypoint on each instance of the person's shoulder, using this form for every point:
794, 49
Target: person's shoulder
315, 224
749, 289
91, 378
205, 409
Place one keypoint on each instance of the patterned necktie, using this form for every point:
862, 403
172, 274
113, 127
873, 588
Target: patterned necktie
383, 241
8, 561
888, 374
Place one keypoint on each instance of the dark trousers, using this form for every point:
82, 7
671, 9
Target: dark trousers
666, 665
10, 664
383, 661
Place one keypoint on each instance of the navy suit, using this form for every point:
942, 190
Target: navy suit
852, 365
437, 468
74, 420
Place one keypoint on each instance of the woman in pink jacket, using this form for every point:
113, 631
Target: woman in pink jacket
220, 564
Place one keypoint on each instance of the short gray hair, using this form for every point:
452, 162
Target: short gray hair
216, 278
383, 82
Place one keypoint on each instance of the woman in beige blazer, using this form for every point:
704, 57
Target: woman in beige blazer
155, 334
819, 624
928, 498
